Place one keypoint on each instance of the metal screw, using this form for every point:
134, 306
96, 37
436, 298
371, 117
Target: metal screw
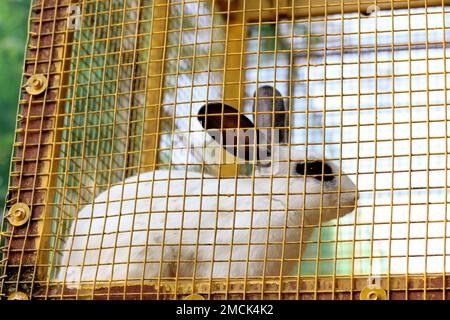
373, 292
37, 84
18, 296
19, 214
194, 297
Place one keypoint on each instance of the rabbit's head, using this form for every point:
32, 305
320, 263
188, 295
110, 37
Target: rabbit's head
319, 183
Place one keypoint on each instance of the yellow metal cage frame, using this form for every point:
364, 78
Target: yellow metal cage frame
34, 165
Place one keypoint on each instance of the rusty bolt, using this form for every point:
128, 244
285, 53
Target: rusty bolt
373, 292
36, 84
194, 297
18, 296
19, 214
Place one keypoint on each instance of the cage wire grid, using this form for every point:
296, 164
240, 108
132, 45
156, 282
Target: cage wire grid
364, 84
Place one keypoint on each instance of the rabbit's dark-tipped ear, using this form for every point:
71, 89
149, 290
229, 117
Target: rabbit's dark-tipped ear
222, 116
271, 113
227, 126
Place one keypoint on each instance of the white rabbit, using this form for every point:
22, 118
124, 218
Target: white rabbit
184, 224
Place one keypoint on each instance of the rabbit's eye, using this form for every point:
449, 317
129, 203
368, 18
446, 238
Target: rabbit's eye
318, 169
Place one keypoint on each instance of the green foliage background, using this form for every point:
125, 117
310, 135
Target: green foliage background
13, 34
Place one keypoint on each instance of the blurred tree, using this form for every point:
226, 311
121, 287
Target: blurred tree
13, 34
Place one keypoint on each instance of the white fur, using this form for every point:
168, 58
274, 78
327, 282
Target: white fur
217, 227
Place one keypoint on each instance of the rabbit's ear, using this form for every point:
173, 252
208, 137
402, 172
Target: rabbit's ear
227, 126
270, 113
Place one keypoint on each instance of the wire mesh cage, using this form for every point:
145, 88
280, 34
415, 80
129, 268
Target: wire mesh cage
125, 183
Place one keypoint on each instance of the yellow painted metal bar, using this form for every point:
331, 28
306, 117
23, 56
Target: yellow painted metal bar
265, 10
155, 84
233, 78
